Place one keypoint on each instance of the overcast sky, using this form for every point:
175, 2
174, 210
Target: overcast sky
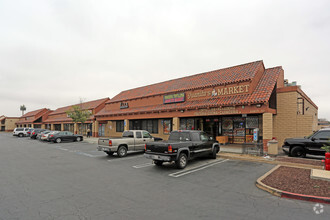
54, 52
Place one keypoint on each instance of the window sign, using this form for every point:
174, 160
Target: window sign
174, 98
167, 126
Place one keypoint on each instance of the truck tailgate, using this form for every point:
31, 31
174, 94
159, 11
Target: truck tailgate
103, 141
157, 147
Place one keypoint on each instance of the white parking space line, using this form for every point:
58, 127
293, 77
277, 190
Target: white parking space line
88, 155
125, 158
143, 165
195, 169
78, 152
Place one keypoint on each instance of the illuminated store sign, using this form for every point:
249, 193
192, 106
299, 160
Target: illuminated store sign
174, 98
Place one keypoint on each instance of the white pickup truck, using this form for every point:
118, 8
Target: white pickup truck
132, 140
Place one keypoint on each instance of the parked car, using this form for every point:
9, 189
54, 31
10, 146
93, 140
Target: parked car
133, 140
35, 132
181, 147
299, 147
45, 137
28, 133
65, 136
41, 134
20, 132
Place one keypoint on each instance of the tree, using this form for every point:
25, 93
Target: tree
78, 115
22, 108
326, 147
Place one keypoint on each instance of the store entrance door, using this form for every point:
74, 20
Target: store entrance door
211, 126
239, 130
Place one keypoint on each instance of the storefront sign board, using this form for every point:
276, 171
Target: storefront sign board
174, 98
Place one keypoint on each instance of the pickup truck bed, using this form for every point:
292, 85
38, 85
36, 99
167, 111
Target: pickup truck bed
133, 140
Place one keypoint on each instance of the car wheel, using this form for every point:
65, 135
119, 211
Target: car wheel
109, 153
20, 135
58, 140
122, 151
158, 162
214, 153
182, 161
298, 152
78, 139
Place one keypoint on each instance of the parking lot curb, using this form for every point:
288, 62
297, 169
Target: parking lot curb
285, 194
262, 160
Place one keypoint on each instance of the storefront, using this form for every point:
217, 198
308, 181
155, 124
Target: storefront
234, 129
33, 119
235, 105
59, 120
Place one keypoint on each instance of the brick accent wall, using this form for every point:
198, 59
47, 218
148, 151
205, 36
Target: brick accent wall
292, 119
267, 124
10, 124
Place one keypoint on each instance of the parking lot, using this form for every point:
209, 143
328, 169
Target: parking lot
41, 180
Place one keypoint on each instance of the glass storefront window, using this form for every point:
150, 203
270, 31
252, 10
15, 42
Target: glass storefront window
167, 126
239, 129
150, 125
120, 126
69, 127
187, 124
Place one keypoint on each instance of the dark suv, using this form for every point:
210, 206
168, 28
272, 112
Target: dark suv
299, 147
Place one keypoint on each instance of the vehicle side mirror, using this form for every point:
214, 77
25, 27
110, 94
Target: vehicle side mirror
313, 139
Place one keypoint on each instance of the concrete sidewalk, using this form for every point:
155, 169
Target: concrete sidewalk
270, 160
91, 140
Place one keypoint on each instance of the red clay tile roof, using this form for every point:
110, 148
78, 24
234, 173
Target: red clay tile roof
32, 113
235, 74
261, 94
63, 119
85, 105
26, 121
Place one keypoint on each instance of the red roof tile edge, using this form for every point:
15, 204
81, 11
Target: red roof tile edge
257, 64
261, 94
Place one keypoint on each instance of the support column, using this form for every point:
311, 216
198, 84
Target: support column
62, 127
75, 128
95, 129
267, 129
176, 123
43, 126
52, 127
126, 125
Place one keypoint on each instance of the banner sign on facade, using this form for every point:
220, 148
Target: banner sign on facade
174, 98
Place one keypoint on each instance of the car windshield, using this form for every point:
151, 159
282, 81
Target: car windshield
309, 136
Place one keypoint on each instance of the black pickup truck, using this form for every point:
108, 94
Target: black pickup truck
182, 146
299, 147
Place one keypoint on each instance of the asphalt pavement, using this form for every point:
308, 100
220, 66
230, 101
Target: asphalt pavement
41, 180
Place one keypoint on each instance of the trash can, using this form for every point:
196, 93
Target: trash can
272, 147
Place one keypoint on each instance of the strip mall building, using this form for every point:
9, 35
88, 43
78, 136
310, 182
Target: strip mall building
240, 104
